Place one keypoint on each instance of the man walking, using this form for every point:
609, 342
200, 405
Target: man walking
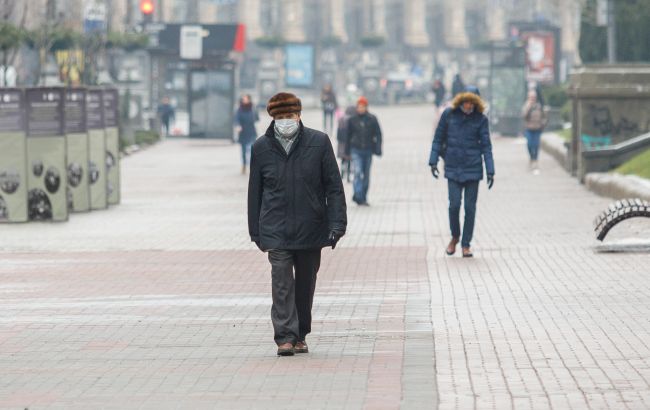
363, 141
439, 91
462, 139
330, 105
166, 113
296, 206
457, 86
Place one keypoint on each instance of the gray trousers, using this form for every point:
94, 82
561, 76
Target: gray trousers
293, 281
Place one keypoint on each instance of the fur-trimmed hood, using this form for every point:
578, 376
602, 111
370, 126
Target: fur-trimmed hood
460, 98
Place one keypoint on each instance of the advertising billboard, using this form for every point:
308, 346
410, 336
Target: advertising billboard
97, 177
13, 156
47, 197
540, 56
77, 150
112, 132
542, 44
299, 65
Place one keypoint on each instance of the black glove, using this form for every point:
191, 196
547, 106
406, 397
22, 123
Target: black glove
434, 171
334, 238
490, 181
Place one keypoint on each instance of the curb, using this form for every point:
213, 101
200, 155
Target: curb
612, 185
618, 186
555, 146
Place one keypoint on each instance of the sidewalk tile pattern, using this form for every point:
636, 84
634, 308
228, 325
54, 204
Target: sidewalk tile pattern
163, 302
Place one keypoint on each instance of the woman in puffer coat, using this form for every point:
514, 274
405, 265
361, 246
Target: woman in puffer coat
245, 118
462, 139
534, 117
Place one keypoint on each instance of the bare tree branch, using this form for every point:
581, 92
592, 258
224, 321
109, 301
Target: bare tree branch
21, 26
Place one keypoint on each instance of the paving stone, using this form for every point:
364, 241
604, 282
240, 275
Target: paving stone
163, 302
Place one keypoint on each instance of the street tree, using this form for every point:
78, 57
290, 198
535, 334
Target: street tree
631, 17
46, 36
11, 35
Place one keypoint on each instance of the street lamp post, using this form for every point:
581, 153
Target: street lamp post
611, 31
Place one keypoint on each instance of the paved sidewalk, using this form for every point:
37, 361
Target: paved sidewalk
162, 302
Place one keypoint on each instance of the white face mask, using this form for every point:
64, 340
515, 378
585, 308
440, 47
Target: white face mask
287, 127
468, 112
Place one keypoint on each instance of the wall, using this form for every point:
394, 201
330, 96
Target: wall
608, 101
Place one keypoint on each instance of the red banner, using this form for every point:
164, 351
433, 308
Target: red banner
540, 56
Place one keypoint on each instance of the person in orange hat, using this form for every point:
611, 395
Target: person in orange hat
363, 141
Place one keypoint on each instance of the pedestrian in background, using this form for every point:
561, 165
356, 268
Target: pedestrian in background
296, 206
328, 100
535, 120
363, 141
341, 138
457, 86
462, 139
438, 93
167, 114
245, 118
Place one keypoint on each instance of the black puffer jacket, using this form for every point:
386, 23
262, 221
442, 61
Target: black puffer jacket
295, 199
363, 132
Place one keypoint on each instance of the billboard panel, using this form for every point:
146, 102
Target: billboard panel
299, 65
77, 150
46, 154
540, 56
13, 156
97, 177
111, 99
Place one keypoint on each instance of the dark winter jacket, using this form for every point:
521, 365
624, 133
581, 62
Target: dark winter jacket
342, 132
328, 98
246, 119
463, 141
439, 91
166, 112
363, 132
457, 87
295, 199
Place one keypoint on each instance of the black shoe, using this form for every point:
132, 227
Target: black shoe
364, 203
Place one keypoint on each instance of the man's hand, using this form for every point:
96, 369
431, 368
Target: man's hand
434, 171
334, 238
490, 181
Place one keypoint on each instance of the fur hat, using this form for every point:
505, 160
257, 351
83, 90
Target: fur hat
283, 103
468, 96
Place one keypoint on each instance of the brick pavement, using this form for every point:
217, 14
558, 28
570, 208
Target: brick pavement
163, 303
